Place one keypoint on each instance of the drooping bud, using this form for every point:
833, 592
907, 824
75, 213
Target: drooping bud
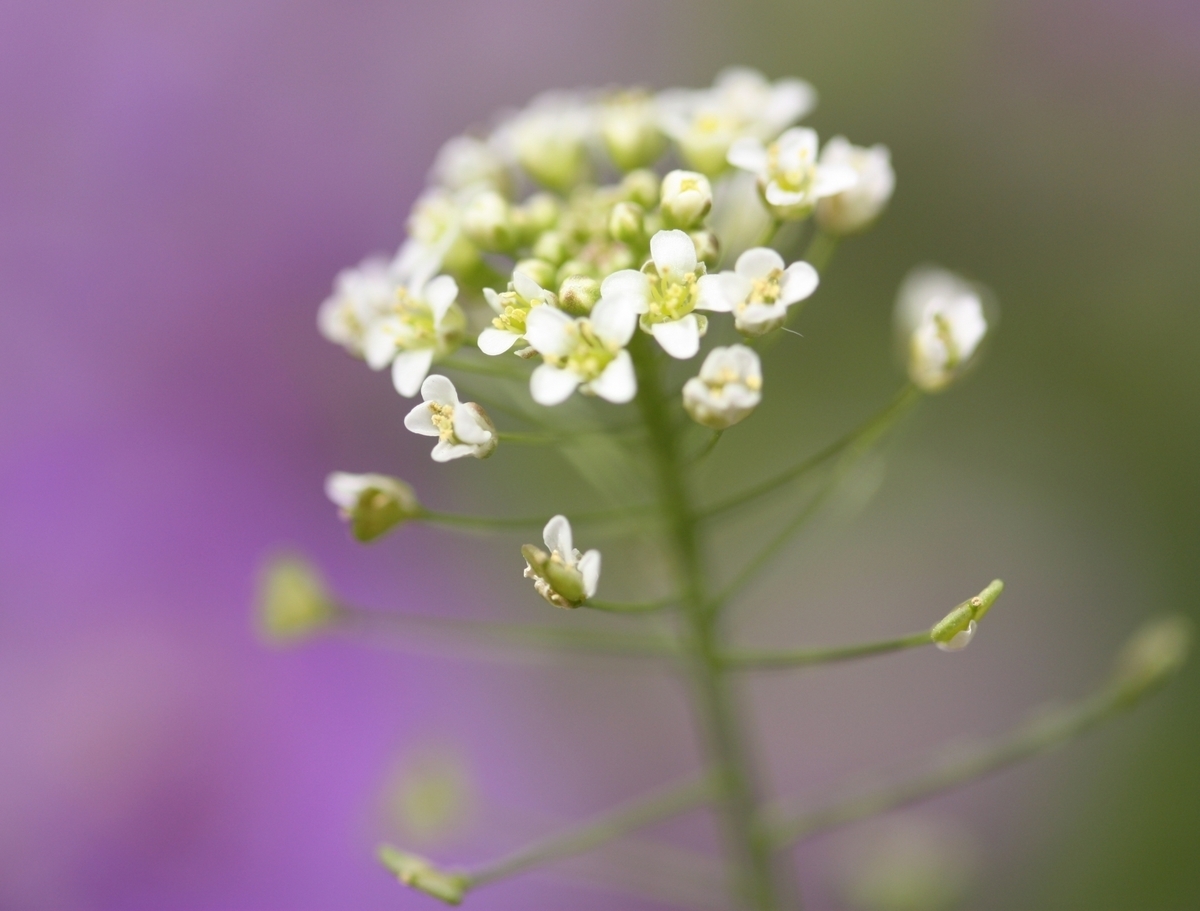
955, 631
418, 873
578, 294
627, 223
629, 127
292, 602
564, 576
488, 221
1152, 656
686, 198
373, 504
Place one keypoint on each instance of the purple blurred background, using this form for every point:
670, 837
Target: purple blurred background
178, 186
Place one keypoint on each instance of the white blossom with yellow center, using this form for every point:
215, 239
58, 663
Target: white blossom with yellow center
791, 179
586, 352
512, 309
941, 321
462, 428
856, 209
361, 296
728, 388
758, 291
423, 322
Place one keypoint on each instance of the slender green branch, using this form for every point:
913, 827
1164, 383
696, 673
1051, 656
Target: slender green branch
820, 250
868, 432
1151, 657
629, 607
769, 232
415, 631
751, 660
501, 523
708, 447
495, 371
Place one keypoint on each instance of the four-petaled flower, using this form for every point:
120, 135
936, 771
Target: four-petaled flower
728, 388
791, 179
360, 297
512, 309
564, 577
422, 322
940, 318
587, 352
462, 428
758, 291
855, 209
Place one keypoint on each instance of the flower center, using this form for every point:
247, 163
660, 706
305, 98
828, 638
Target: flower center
671, 300
443, 419
589, 355
766, 290
794, 175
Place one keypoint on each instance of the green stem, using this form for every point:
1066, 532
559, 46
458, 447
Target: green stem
499, 523
875, 427
483, 369
628, 607
579, 839
820, 250
752, 660
752, 860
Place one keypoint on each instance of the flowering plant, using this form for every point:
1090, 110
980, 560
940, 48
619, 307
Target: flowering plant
586, 247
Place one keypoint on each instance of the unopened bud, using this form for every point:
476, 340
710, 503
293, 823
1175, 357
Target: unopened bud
1153, 655
539, 270
686, 198
626, 223
629, 127
641, 186
575, 267
292, 601
955, 631
418, 873
373, 504
537, 214
488, 222
578, 294
552, 247
708, 247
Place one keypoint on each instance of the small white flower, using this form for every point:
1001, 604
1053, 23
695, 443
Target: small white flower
549, 138
686, 198
487, 219
512, 309
373, 504
587, 352
630, 130
466, 161
435, 237
855, 209
741, 103
728, 388
665, 293
361, 296
423, 322
790, 177
758, 291
462, 428
940, 318
564, 577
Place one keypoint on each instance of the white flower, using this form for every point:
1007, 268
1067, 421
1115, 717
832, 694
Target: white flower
587, 352
665, 293
742, 102
630, 130
423, 322
686, 198
463, 429
466, 161
728, 388
790, 177
549, 138
373, 504
758, 291
512, 309
564, 577
360, 297
940, 318
855, 209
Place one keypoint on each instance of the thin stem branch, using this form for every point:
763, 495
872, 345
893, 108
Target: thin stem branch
629, 607
502, 523
763, 660
908, 396
579, 839
820, 250
483, 369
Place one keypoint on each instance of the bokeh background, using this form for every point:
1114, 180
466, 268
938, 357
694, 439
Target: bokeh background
178, 185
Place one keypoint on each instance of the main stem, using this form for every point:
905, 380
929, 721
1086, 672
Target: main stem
752, 857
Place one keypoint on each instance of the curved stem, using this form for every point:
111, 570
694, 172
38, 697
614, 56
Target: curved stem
762, 660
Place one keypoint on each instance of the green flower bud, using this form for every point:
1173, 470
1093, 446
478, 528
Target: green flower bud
418, 873
551, 247
576, 267
641, 186
374, 504
488, 222
578, 294
708, 247
629, 127
955, 631
539, 270
292, 602
539, 213
626, 224
1153, 655
686, 198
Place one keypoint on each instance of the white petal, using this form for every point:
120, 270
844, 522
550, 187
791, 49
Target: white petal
444, 451
420, 420
493, 299
799, 141
758, 262
833, 178
679, 338
589, 568
379, 347
614, 319
759, 319
496, 341
778, 196
721, 292
439, 389
409, 369
548, 330
557, 535
440, 294
343, 488
748, 154
628, 283
673, 253
617, 383
550, 385
791, 99
468, 428
799, 281
527, 287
